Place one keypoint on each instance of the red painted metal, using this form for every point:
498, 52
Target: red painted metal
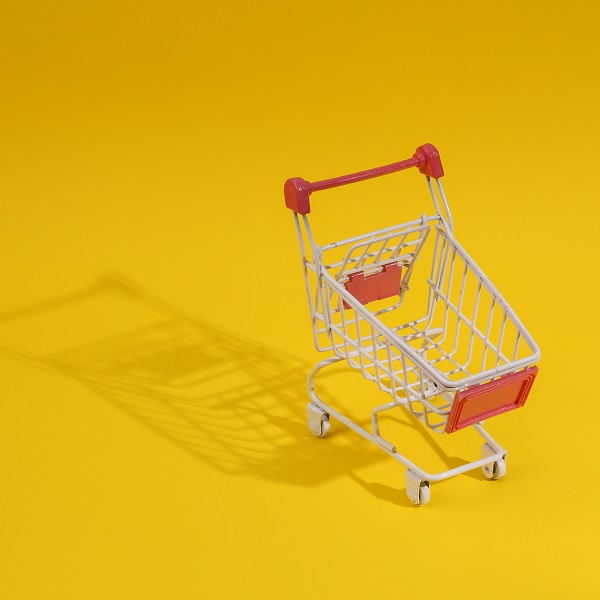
430, 162
377, 286
495, 397
297, 190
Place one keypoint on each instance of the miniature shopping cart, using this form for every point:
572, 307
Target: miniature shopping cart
408, 308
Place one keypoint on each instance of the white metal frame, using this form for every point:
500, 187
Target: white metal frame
467, 336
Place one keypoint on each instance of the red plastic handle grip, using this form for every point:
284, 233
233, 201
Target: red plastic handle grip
298, 190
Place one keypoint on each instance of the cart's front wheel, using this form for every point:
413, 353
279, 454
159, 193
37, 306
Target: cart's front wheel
417, 490
318, 420
495, 470
424, 494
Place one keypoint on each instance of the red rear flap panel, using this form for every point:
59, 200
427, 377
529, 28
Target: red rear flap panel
495, 397
378, 286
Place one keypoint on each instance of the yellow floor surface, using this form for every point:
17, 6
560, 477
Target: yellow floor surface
154, 334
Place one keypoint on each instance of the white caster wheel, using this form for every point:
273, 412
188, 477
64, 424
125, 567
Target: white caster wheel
325, 427
424, 494
418, 492
318, 420
495, 470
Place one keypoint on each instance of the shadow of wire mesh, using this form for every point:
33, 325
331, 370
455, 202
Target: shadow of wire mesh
236, 405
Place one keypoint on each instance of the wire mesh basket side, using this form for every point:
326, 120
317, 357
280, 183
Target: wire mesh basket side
476, 335
368, 347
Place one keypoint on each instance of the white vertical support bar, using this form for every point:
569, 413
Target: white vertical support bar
446, 206
486, 342
501, 340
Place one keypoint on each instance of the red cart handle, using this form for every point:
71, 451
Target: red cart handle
297, 190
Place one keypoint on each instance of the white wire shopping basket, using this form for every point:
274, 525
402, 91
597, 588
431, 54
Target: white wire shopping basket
466, 359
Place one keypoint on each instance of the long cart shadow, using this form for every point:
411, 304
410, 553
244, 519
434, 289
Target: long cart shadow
235, 404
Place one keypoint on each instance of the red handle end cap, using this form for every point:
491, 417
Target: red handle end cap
430, 162
297, 191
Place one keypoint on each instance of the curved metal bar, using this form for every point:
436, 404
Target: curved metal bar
499, 451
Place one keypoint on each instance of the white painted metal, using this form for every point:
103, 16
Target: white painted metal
467, 334
418, 491
318, 420
496, 469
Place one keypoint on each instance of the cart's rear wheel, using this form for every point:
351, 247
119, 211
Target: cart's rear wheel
318, 420
495, 470
325, 426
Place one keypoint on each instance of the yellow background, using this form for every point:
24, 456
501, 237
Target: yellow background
155, 339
